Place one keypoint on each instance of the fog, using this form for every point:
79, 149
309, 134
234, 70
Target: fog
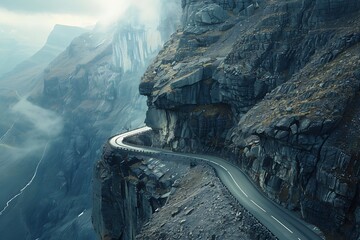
25, 127
41, 161
19, 19
29, 128
43, 122
24, 26
23, 147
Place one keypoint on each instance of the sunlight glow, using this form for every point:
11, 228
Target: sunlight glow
34, 27
112, 10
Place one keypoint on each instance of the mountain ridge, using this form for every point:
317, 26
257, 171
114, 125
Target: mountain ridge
25, 74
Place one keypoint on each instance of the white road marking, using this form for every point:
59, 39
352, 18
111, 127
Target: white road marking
257, 205
117, 141
226, 171
282, 224
121, 138
28, 184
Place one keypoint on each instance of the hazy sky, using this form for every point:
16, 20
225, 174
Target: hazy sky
31, 21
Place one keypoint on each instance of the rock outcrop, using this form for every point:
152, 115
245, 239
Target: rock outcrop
92, 87
154, 197
274, 84
128, 190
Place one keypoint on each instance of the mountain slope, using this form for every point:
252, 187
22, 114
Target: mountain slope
273, 85
25, 75
89, 92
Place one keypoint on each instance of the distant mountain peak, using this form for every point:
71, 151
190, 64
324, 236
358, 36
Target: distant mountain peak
62, 35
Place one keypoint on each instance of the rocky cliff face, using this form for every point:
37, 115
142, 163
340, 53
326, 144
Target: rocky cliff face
154, 197
97, 99
26, 75
127, 191
92, 89
276, 85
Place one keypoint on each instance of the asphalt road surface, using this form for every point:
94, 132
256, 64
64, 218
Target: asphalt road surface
281, 222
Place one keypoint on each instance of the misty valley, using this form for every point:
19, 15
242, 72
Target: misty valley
180, 119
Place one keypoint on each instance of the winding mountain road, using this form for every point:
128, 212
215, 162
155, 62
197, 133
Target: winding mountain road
281, 222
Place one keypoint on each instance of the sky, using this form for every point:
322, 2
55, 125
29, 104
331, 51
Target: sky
30, 21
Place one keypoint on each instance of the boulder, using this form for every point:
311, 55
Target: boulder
188, 79
211, 14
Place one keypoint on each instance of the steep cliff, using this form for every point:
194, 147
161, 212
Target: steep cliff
25, 130
274, 84
24, 76
91, 90
128, 189
93, 85
157, 197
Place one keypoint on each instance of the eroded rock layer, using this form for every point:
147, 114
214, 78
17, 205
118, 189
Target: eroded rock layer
159, 197
276, 85
128, 190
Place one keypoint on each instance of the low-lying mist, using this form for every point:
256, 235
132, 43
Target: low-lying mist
23, 145
47, 156
43, 122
